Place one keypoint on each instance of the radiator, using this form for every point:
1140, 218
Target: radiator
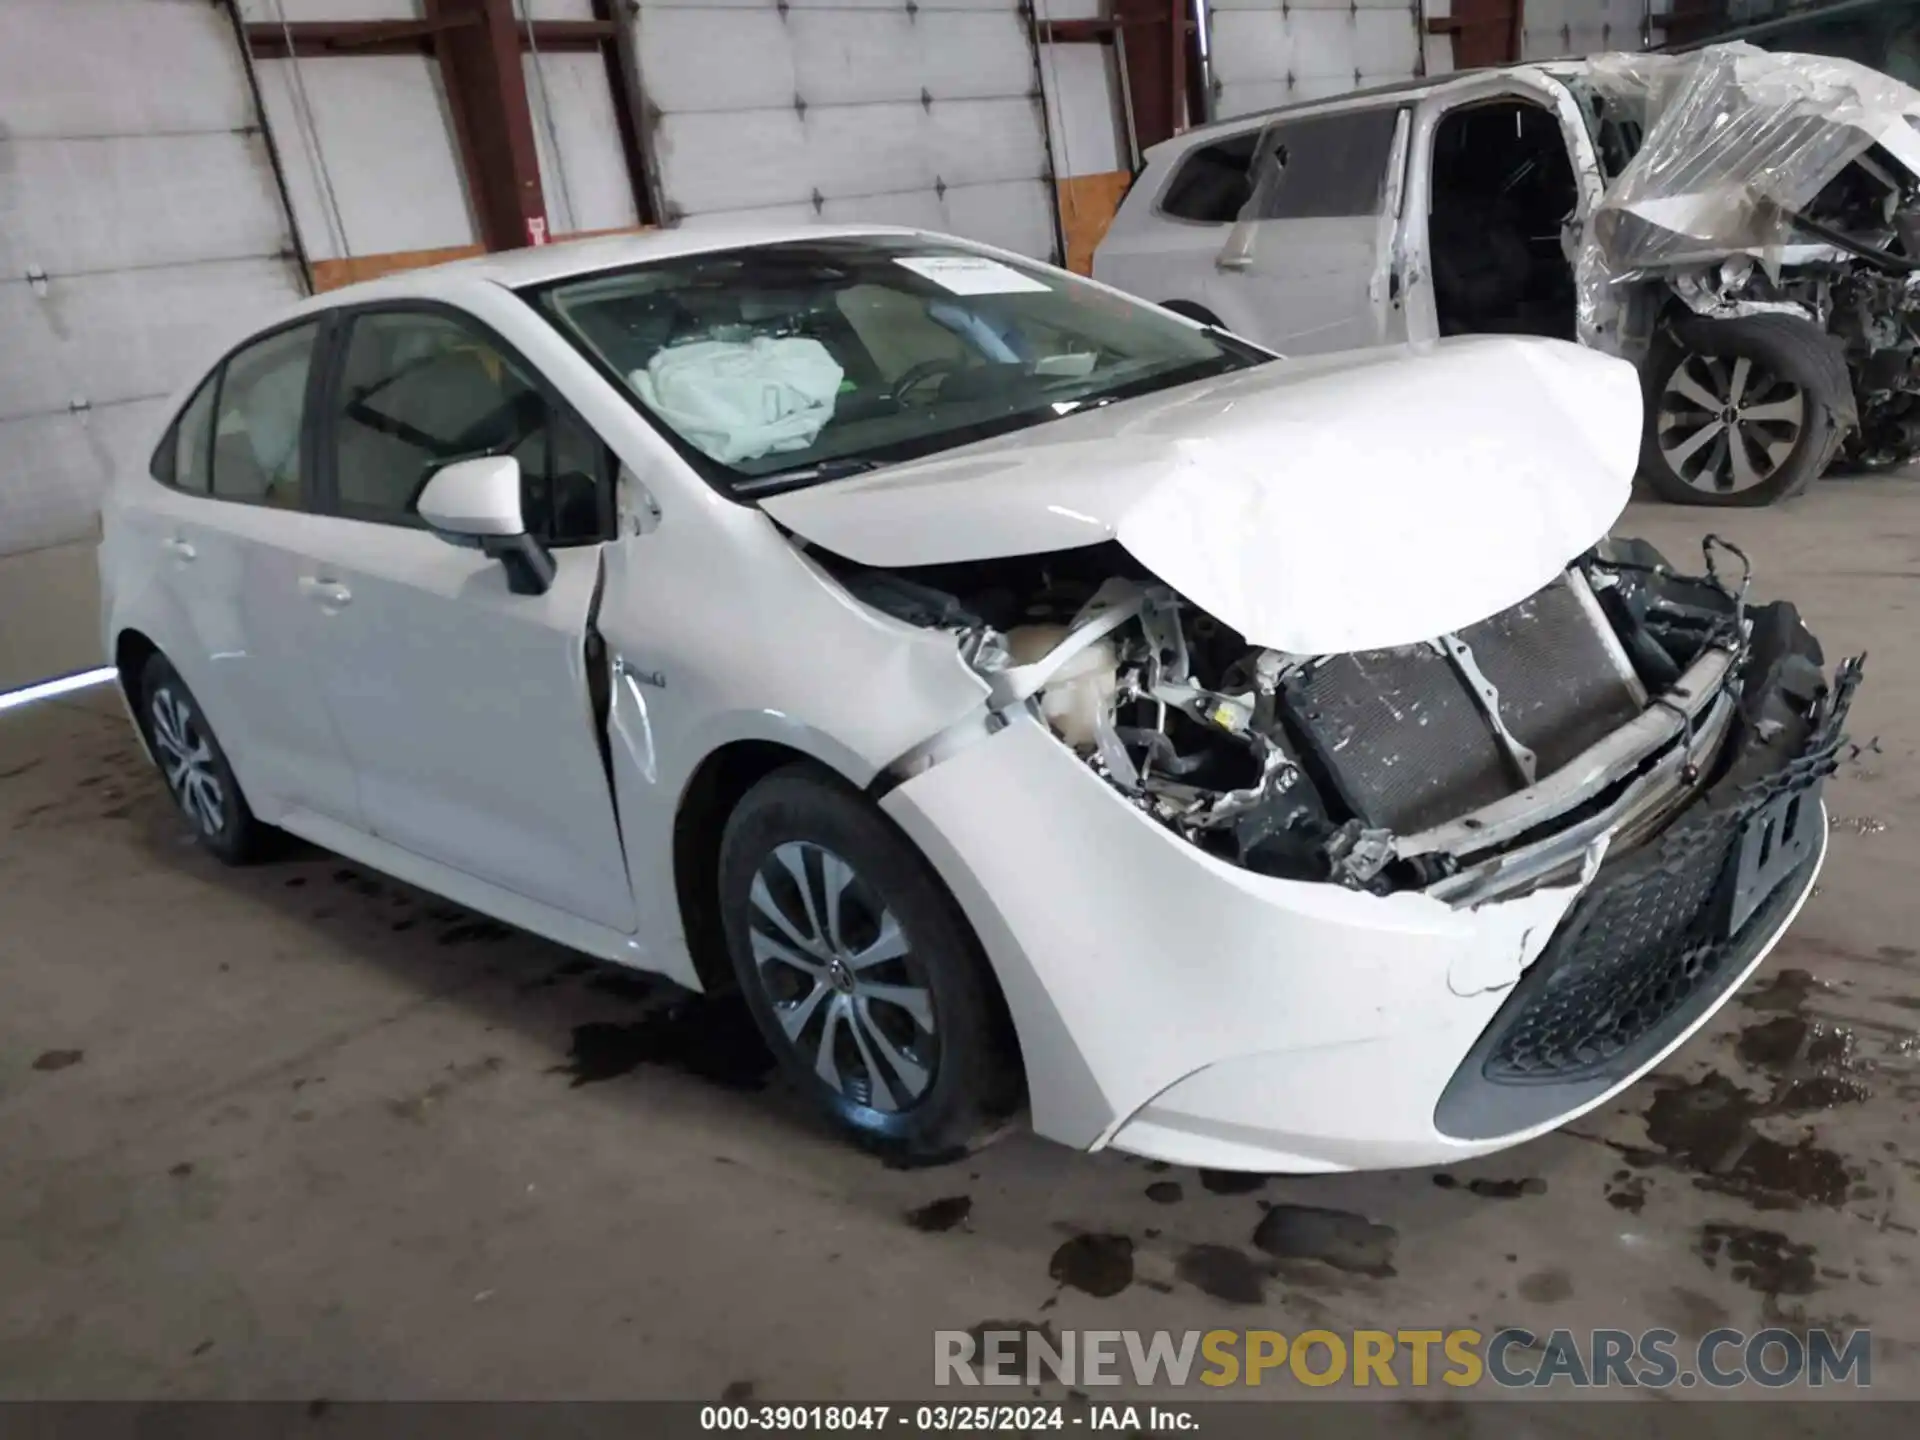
1405, 743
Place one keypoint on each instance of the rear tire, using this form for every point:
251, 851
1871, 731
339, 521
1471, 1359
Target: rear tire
860, 971
195, 768
1741, 412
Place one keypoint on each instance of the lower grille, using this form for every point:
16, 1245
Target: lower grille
1666, 922
1640, 944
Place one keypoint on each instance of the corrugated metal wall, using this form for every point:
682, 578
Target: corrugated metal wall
849, 111
1552, 28
140, 226
1279, 52
336, 118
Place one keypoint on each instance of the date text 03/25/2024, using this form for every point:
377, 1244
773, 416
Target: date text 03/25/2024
962, 1417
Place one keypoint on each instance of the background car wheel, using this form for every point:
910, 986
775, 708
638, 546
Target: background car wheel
860, 970
195, 767
1740, 412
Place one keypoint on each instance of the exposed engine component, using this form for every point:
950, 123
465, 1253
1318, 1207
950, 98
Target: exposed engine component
1812, 213
1446, 765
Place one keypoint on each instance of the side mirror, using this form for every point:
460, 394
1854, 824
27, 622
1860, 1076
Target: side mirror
477, 503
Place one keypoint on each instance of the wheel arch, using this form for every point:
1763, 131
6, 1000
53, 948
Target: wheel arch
717, 785
132, 649
714, 790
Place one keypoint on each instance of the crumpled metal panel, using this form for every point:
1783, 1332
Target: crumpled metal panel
1735, 138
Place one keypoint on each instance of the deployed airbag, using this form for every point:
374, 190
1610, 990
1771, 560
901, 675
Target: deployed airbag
739, 400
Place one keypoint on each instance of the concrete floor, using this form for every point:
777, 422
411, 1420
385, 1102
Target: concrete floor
297, 1132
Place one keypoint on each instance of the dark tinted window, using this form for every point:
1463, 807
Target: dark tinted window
1322, 166
181, 460
420, 390
262, 408
1211, 184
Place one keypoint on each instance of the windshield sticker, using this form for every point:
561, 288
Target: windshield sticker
971, 275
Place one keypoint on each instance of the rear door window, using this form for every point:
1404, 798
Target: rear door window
259, 420
182, 460
1212, 183
1323, 166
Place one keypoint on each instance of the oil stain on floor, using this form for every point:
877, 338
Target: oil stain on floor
1100, 1265
713, 1039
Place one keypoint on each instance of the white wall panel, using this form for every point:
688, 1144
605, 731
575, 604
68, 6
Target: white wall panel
65, 67
140, 229
1083, 109
583, 167
1551, 28
272, 10
368, 147
1279, 52
854, 110
76, 453
78, 206
83, 340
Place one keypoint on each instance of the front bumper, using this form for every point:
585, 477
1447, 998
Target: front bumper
1178, 1007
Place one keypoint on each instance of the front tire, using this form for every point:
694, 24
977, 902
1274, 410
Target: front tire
194, 766
1740, 412
860, 971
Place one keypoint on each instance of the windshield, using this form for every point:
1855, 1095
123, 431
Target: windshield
783, 365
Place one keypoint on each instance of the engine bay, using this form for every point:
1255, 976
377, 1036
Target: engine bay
1424, 766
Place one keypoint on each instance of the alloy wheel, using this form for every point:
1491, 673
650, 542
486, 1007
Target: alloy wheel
186, 759
841, 978
1727, 424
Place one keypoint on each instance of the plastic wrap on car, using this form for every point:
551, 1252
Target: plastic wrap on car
1737, 138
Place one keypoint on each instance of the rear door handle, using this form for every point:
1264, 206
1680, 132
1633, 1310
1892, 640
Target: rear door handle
328, 594
180, 548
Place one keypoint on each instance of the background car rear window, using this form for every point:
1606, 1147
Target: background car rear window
1211, 184
258, 422
182, 459
420, 390
1323, 166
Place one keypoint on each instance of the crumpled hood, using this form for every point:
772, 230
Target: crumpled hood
1347, 502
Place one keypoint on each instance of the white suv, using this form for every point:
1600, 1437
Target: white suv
1743, 226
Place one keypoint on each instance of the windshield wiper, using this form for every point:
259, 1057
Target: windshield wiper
836, 469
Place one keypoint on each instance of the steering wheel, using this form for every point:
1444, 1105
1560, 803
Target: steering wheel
919, 373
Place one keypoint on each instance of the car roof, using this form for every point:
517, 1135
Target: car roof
1411, 89
538, 264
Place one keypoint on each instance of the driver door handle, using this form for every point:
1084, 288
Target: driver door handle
180, 549
328, 594
1231, 262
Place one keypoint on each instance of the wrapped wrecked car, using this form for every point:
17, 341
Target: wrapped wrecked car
1009, 687
1743, 226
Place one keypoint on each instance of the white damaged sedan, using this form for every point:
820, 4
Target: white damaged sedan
1013, 689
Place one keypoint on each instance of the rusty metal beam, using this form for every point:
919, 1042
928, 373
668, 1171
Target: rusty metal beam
479, 57
1149, 61
270, 40
1485, 32
1075, 32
